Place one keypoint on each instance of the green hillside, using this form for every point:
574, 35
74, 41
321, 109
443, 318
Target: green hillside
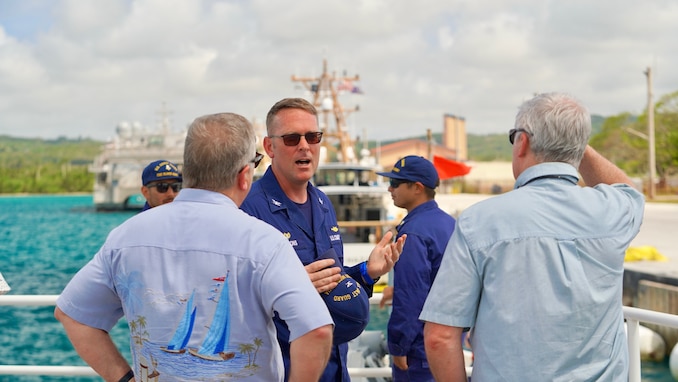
29, 165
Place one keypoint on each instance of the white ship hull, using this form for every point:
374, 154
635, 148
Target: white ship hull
117, 170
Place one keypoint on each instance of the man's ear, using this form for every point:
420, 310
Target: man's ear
268, 146
145, 191
242, 180
523, 144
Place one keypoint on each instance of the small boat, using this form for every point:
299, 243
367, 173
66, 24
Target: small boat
214, 346
221, 356
184, 330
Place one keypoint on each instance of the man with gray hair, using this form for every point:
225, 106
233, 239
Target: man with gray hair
198, 280
537, 272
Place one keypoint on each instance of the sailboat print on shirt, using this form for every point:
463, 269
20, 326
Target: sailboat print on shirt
183, 333
216, 341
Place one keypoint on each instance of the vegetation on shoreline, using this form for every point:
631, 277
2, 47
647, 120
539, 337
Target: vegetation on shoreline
40, 166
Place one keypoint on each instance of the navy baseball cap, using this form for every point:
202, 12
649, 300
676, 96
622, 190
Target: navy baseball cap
347, 303
414, 168
160, 170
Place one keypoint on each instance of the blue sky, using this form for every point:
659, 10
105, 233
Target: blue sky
25, 19
80, 67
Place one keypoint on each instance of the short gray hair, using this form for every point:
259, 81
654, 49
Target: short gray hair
217, 147
559, 127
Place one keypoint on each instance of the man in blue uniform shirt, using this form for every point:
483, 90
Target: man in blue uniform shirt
286, 199
413, 181
161, 182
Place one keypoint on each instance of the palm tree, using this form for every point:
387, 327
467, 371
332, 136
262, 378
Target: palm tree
133, 326
257, 342
142, 321
247, 349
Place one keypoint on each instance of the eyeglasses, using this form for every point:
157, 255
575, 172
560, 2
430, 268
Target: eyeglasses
163, 187
513, 132
293, 139
395, 183
257, 159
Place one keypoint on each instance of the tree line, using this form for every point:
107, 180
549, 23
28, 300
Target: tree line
61, 165
40, 166
624, 140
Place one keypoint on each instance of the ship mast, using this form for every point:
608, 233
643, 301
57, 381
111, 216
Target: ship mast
326, 101
164, 119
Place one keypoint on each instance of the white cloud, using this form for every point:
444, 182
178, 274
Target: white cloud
87, 65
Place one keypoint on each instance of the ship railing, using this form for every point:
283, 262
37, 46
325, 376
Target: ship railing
633, 316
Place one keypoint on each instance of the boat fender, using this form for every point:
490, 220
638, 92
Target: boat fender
652, 345
673, 362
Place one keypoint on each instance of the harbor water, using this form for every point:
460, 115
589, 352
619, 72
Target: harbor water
44, 240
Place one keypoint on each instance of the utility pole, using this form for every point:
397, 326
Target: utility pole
429, 145
650, 135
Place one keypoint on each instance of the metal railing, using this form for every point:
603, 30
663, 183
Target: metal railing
633, 316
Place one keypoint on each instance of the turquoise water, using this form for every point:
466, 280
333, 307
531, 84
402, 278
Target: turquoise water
44, 240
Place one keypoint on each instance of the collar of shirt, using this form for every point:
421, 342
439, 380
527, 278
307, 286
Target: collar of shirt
547, 170
276, 197
203, 196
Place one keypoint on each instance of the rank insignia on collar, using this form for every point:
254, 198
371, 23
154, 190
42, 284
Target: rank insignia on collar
276, 203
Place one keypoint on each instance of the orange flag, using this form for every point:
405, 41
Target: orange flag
448, 168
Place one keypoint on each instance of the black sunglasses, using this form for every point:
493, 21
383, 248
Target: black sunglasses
163, 187
513, 132
257, 159
395, 183
293, 139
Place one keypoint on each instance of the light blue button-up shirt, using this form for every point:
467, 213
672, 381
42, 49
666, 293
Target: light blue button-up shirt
537, 272
198, 280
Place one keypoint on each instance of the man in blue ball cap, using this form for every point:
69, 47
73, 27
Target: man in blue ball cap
413, 180
161, 181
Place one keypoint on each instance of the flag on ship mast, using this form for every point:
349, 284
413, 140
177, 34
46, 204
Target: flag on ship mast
448, 168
